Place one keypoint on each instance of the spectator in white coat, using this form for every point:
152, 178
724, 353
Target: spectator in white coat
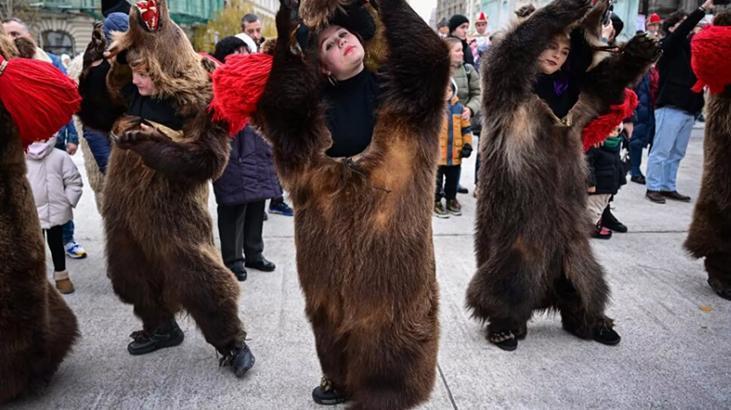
57, 187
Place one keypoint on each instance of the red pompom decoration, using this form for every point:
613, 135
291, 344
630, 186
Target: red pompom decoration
710, 54
39, 98
600, 127
237, 88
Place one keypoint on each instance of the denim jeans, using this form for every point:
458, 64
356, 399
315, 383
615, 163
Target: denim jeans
68, 232
636, 144
672, 133
99, 146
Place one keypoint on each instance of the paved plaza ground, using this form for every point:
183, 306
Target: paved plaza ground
675, 352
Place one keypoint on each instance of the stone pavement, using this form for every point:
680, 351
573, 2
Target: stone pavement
675, 352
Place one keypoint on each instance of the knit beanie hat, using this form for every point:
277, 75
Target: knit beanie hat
456, 21
115, 22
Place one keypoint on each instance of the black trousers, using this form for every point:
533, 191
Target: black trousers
447, 181
54, 237
240, 229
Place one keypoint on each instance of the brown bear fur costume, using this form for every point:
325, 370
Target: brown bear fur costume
159, 243
710, 231
363, 224
531, 236
37, 328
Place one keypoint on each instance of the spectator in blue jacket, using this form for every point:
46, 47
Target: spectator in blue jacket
644, 127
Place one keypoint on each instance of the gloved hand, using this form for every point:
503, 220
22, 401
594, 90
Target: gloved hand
466, 151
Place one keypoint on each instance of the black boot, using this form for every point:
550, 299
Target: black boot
240, 358
165, 335
326, 394
611, 222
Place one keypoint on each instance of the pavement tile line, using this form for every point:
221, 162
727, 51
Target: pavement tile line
446, 386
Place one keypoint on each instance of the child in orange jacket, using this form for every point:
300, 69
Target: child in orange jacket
455, 143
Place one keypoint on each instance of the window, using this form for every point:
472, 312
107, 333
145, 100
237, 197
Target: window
58, 42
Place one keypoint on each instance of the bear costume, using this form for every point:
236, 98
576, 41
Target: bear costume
532, 229
161, 257
710, 231
37, 328
363, 234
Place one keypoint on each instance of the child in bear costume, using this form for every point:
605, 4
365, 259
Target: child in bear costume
531, 239
710, 232
357, 152
37, 328
159, 244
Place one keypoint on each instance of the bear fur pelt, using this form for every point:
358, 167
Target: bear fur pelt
532, 231
363, 224
160, 252
710, 231
37, 328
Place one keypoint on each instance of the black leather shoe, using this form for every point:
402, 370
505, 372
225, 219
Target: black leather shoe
462, 190
611, 222
606, 335
640, 179
675, 196
166, 335
655, 196
327, 395
261, 264
239, 271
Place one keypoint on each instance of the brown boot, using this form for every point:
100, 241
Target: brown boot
63, 282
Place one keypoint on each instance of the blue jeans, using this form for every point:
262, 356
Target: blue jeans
672, 133
68, 232
99, 146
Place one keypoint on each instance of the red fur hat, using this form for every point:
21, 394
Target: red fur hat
710, 53
481, 17
600, 127
654, 19
39, 98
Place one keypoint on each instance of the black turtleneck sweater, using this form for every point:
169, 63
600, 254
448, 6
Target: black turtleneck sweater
351, 111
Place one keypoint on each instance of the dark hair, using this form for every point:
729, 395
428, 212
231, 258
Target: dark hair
672, 20
227, 46
722, 19
617, 23
249, 18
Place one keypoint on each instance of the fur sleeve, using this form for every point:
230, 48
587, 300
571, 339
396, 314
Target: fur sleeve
289, 112
511, 64
417, 70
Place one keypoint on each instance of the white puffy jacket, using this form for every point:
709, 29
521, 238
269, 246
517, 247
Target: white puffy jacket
55, 181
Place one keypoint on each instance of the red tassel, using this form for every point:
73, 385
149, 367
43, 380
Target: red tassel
710, 54
599, 128
39, 98
237, 88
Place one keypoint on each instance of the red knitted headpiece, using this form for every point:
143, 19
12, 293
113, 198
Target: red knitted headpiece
599, 128
39, 98
237, 88
710, 55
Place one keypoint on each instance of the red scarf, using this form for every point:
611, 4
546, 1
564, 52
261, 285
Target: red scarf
599, 128
710, 55
39, 98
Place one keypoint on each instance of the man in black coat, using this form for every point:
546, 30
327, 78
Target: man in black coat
677, 106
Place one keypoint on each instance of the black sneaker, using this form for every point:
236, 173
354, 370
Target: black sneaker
240, 359
166, 335
675, 196
604, 334
462, 190
639, 179
611, 222
327, 395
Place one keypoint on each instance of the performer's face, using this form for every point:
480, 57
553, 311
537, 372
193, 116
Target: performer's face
481, 27
341, 53
554, 57
143, 82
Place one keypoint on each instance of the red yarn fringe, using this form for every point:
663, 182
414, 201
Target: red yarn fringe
710, 55
237, 88
39, 98
599, 128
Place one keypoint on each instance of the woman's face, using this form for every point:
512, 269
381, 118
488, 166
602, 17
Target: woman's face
461, 31
554, 57
341, 53
144, 83
456, 55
